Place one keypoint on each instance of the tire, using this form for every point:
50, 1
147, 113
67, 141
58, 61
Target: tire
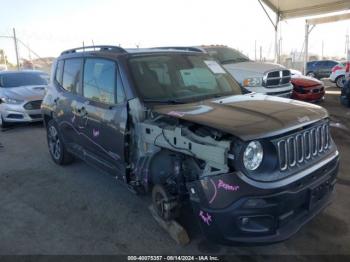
339, 81
311, 74
57, 149
3, 124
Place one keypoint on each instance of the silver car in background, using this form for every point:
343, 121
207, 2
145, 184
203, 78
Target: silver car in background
21, 94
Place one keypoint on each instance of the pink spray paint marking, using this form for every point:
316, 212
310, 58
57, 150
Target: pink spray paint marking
96, 132
227, 187
175, 113
206, 217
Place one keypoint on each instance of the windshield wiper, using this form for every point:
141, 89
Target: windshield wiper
164, 101
237, 60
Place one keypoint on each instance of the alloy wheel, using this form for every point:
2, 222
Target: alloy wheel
340, 81
54, 143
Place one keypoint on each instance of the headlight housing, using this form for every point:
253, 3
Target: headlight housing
11, 101
253, 155
252, 82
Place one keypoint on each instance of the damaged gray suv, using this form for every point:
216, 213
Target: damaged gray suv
175, 124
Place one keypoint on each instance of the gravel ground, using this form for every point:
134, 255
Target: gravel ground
47, 209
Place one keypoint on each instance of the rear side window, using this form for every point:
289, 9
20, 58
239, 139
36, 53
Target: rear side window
71, 75
100, 81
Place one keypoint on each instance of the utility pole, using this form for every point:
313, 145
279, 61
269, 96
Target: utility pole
347, 45
260, 53
16, 48
322, 49
306, 55
280, 50
255, 51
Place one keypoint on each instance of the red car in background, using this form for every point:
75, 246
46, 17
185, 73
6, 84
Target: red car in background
306, 88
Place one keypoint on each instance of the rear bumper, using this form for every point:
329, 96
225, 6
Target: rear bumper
231, 211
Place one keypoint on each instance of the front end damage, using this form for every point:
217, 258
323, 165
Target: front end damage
184, 161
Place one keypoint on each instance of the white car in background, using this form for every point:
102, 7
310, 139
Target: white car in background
338, 74
21, 94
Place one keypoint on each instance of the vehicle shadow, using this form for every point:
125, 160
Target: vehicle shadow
20, 126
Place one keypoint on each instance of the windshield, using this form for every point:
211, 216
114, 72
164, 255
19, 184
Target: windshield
23, 79
181, 77
226, 55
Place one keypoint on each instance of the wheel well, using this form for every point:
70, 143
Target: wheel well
47, 118
339, 77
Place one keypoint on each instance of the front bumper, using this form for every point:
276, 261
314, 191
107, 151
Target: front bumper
281, 91
309, 97
233, 211
18, 114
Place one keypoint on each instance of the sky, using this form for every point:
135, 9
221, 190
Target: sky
49, 27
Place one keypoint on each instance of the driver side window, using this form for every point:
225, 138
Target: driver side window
100, 81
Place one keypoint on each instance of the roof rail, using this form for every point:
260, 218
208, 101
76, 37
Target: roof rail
182, 48
100, 48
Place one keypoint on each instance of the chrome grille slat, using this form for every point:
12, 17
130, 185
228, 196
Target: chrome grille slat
282, 150
300, 147
277, 78
303, 146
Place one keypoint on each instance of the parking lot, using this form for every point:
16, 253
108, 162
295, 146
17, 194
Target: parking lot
47, 209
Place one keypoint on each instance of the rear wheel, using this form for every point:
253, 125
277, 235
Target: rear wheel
57, 149
340, 81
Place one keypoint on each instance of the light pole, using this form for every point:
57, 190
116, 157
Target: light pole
15, 42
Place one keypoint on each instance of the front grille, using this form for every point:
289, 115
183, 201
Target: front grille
303, 146
277, 78
36, 116
33, 105
15, 116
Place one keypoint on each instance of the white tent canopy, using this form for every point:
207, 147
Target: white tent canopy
287, 9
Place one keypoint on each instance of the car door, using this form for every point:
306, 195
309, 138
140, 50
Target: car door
320, 69
325, 69
68, 80
103, 114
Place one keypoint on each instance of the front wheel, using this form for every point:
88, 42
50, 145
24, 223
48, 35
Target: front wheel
57, 149
340, 81
166, 205
3, 124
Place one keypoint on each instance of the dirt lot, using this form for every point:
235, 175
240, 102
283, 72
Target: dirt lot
46, 209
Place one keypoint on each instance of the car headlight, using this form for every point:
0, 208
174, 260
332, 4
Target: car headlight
253, 155
252, 82
12, 101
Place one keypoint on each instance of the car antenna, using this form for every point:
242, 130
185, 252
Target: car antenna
93, 44
83, 47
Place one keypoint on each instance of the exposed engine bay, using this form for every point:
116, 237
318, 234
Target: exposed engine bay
171, 152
